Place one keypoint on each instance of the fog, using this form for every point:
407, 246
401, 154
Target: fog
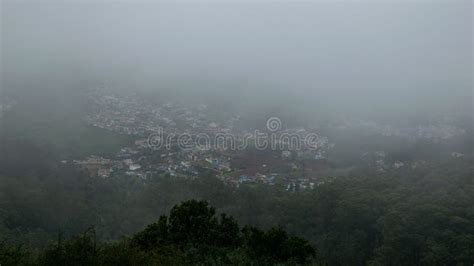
388, 58
236, 132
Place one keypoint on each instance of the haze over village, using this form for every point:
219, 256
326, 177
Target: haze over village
236, 132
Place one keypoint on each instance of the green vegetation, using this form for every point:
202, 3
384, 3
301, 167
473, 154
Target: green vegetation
409, 216
422, 216
64, 135
192, 234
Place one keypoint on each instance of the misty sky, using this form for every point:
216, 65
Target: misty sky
410, 56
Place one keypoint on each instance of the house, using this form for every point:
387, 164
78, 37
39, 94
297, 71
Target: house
128, 162
270, 180
291, 187
93, 164
185, 164
246, 178
134, 167
457, 155
104, 172
214, 162
398, 164
224, 166
319, 156
192, 157
380, 154
142, 143
285, 154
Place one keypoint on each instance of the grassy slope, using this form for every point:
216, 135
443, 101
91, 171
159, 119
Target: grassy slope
63, 134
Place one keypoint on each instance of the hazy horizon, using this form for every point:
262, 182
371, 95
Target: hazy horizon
409, 58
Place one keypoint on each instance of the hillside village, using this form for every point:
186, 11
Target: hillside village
294, 169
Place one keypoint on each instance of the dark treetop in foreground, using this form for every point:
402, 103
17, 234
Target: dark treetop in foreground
192, 234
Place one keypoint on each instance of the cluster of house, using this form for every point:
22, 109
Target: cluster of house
104, 167
436, 132
379, 160
301, 184
97, 166
134, 115
144, 163
431, 132
256, 178
141, 162
292, 184
382, 164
